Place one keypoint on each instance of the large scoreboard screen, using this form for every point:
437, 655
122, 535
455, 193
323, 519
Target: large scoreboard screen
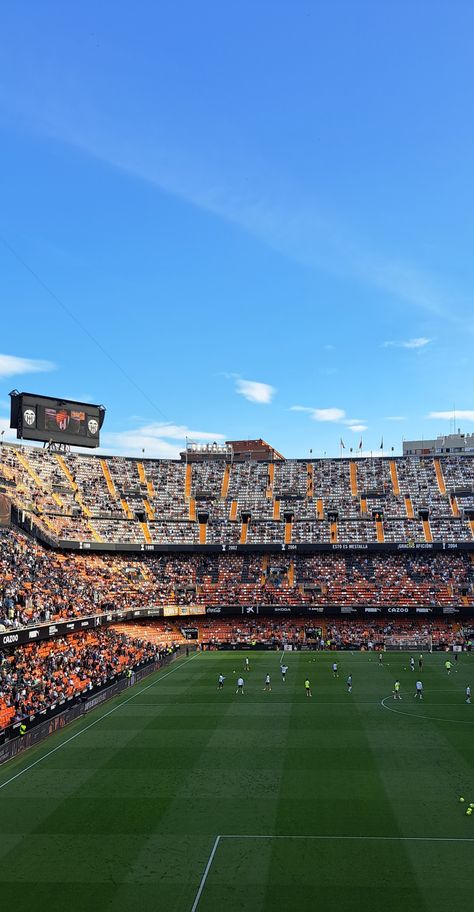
56, 420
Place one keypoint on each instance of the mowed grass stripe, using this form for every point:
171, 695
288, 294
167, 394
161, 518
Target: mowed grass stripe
213, 796
142, 796
64, 737
74, 768
347, 803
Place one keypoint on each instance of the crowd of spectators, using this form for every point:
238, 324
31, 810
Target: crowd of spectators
40, 585
297, 632
36, 677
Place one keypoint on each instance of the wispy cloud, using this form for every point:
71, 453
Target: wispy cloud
395, 418
255, 391
235, 184
408, 343
242, 190
462, 414
156, 439
321, 414
11, 365
357, 428
333, 415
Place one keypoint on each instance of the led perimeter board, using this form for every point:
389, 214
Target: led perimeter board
56, 420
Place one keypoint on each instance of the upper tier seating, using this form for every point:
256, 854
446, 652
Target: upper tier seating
87, 498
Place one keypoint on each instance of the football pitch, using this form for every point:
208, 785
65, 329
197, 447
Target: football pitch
179, 797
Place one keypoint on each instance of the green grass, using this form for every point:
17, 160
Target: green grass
125, 816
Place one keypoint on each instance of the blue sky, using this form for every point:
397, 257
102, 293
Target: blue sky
260, 214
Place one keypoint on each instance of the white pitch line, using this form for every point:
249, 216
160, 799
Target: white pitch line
370, 838
206, 872
91, 724
326, 838
400, 712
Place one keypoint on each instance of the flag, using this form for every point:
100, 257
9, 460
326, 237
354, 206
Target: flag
342, 444
360, 444
381, 444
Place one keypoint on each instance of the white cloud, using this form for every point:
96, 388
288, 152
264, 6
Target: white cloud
352, 421
159, 429
466, 414
357, 427
255, 391
157, 439
10, 365
408, 343
321, 414
395, 418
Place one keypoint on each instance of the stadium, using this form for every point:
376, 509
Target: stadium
236, 456
174, 588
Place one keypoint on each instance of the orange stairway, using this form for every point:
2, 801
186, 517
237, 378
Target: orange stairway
225, 481
291, 573
141, 473
288, 532
363, 505
394, 477
439, 476
427, 530
77, 496
333, 532
108, 479
270, 480
37, 480
263, 574
471, 523
148, 508
353, 474
409, 508
192, 509
320, 508
202, 533
309, 479
244, 532
188, 481
454, 506
379, 530
276, 509
146, 532
233, 511
126, 509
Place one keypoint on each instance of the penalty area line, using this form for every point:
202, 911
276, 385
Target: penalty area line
338, 837
321, 838
204, 876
